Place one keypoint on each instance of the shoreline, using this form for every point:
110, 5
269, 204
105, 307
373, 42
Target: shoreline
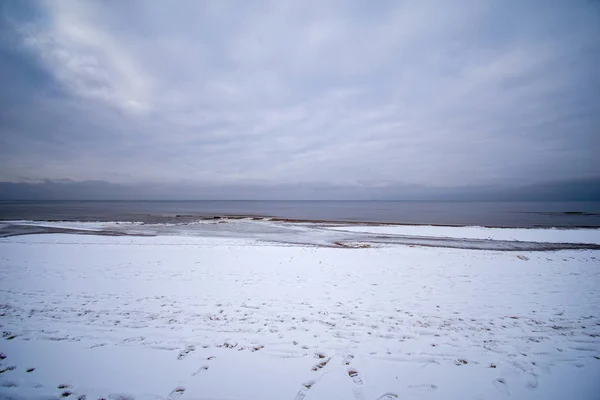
187, 219
327, 234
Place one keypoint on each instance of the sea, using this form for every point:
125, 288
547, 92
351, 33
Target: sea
461, 213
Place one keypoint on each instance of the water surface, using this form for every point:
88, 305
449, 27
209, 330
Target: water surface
496, 214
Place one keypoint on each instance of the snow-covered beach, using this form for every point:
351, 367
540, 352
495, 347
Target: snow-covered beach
267, 310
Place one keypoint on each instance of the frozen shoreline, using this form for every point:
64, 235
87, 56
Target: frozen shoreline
190, 317
331, 235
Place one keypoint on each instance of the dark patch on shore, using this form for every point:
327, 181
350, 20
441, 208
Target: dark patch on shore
481, 244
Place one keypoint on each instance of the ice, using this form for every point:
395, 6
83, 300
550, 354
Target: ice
339, 235
547, 235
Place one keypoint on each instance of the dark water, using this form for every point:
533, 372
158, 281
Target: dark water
505, 214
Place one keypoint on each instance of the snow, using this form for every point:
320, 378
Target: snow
188, 317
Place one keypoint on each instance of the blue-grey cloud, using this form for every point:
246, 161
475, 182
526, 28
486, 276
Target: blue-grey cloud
269, 93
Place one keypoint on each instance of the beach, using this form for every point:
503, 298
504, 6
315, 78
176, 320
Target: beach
183, 315
291, 200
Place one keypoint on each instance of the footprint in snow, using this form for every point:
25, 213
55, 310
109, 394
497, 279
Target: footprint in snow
352, 373
427, 387
183, 353
388, 396
176, 393
359, 394
321, 364
134, 339
9, 368
201, 369
532, 381
304, 388
502, 386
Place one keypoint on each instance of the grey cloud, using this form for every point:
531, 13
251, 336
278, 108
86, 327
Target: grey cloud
293, 94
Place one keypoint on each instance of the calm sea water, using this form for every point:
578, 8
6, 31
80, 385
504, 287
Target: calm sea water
505, 214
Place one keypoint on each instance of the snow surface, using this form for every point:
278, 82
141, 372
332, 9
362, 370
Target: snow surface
173, 317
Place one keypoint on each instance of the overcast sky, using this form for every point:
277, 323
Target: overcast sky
353, 93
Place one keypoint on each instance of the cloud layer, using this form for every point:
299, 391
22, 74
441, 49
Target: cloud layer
321, 93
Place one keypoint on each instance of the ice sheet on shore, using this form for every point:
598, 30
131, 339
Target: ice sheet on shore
331, 234
539, 235
171, 317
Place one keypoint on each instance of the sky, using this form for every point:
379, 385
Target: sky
309, 98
